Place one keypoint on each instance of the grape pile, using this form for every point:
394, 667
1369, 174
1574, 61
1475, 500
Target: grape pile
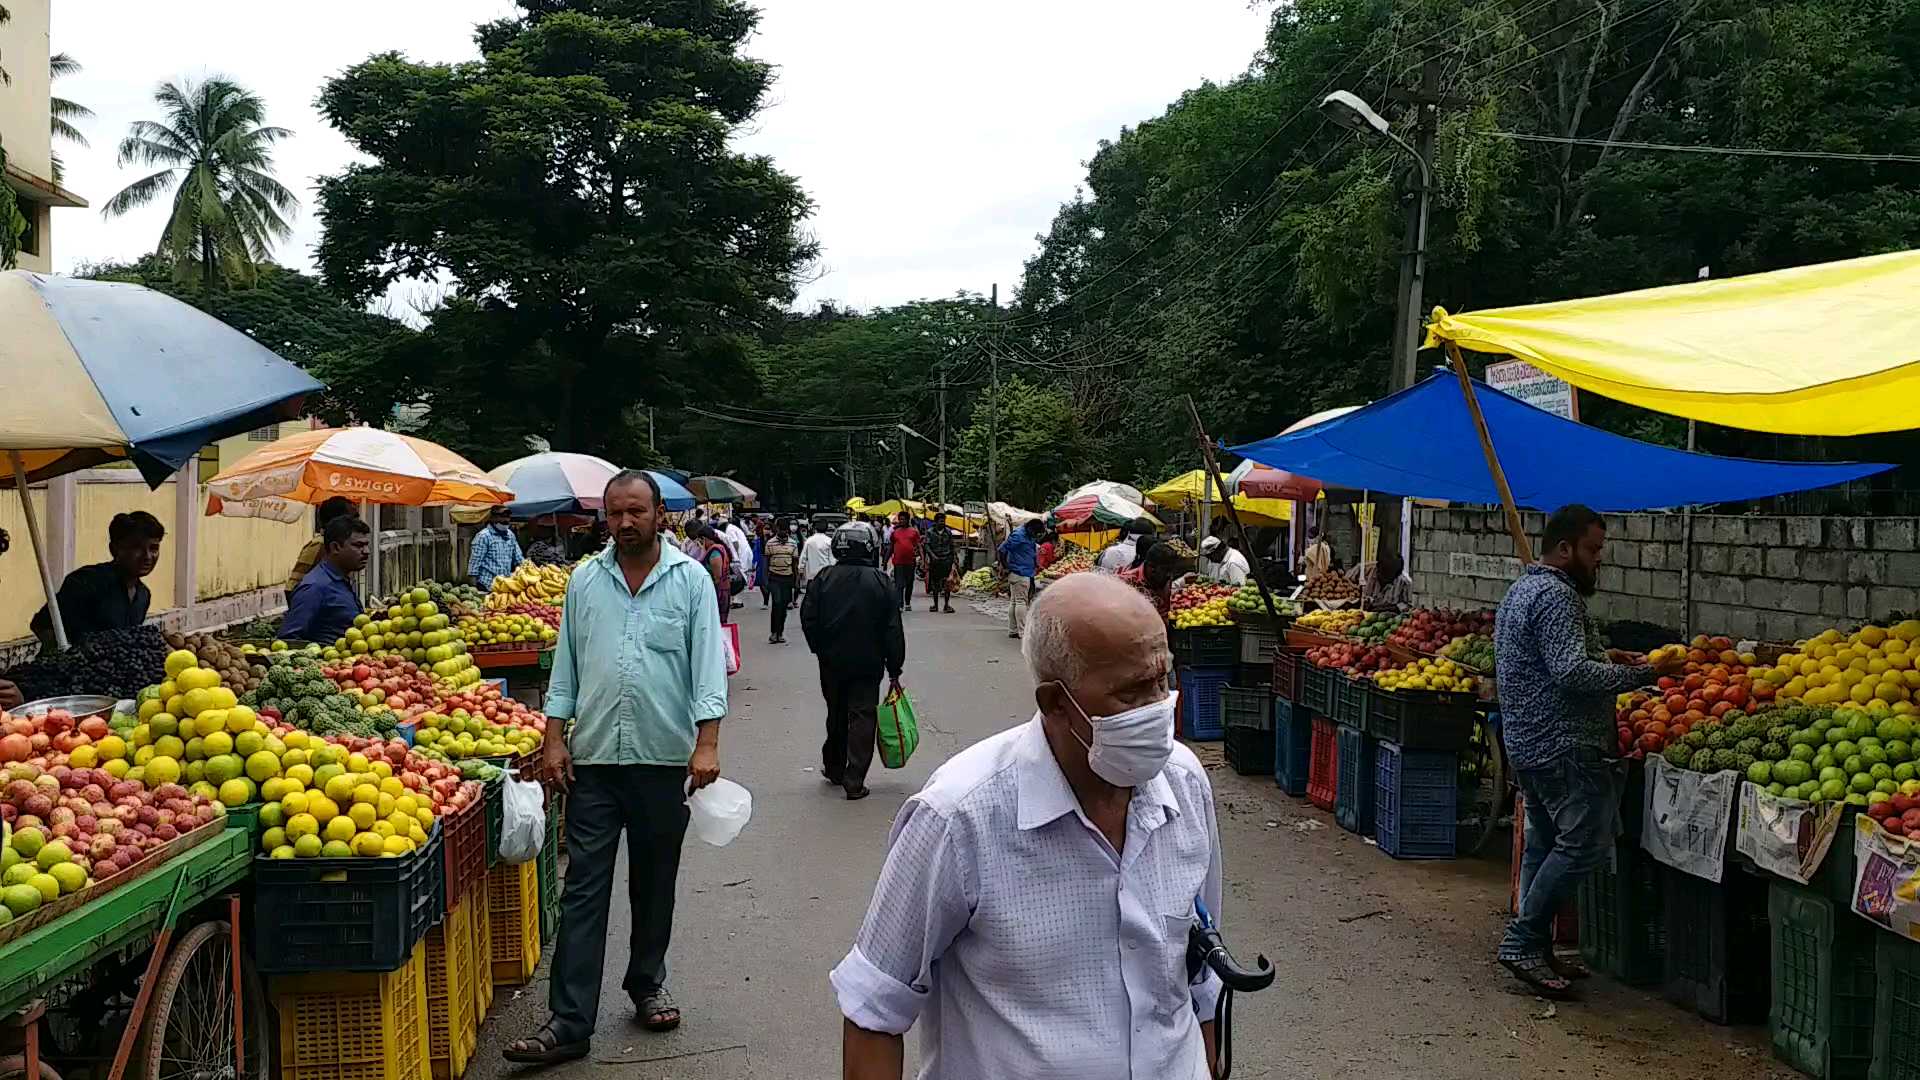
116, 663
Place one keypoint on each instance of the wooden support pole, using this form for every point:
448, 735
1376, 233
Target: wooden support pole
1521, 546
1233, 512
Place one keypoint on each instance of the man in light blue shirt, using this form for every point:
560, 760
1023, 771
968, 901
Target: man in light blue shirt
496, 551
639, 669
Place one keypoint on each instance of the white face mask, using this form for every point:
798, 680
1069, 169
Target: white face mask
1129, 748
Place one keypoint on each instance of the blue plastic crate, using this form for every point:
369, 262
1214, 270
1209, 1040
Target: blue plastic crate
1292, 746
1200, 712
1416, 802
1353, 799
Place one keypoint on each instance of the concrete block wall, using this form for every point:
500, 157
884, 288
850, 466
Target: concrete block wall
1767, 578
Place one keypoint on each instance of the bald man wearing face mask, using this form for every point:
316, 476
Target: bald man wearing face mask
1054, 869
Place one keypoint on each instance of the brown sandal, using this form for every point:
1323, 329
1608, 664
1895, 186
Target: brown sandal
1539, 976
543, 1048
658, 1012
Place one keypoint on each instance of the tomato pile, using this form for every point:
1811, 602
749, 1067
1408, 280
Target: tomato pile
1715, 682
1352, 659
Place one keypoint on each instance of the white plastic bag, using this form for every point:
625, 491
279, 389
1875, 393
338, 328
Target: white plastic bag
719, 811
523, 820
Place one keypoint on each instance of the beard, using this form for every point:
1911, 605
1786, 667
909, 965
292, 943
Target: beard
1586, 581
635, 541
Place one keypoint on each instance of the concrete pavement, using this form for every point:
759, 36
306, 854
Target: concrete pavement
1385, 968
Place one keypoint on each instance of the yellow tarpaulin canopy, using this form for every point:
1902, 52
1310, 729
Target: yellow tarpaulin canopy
1178, 492
1829, 349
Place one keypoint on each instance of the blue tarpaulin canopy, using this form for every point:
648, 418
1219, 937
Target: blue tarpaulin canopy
1421, 443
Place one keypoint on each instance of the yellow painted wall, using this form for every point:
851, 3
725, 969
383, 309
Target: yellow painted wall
19, 579
242, 554
93, 508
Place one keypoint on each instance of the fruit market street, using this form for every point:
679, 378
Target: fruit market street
1385, 968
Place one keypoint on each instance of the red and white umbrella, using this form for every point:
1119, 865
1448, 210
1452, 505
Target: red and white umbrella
1102, 502
1257, 481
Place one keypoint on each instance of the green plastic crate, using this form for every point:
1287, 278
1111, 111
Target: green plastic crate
1821, 1018
1896, 1014
1623, 929
548, 862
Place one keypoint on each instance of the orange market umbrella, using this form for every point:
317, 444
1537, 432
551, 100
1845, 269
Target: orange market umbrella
362, 463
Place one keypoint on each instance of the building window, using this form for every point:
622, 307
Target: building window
31, 240
270, 433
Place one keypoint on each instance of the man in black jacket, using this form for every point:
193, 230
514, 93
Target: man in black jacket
851, 617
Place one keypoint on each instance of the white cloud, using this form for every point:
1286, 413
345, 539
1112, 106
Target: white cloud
935, 139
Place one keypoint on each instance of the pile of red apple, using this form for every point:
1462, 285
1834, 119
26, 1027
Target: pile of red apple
108, 824
403, 685
1899, 815
1352, 659
1429, 630
485, 699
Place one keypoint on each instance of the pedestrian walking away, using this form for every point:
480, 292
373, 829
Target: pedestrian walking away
939, 552
639, 688
815, 555
780, 569
1037, 897
1557, 687
761, 532
851, 617
903, 546
1019, 556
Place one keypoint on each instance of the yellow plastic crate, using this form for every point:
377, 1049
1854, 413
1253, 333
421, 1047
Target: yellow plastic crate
452, 1033
481, 928
352, 1025
513, 907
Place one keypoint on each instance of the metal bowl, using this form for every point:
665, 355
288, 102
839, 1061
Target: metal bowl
80, 705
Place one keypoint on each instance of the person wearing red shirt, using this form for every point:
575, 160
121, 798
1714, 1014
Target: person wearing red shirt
905, 558
1049, 549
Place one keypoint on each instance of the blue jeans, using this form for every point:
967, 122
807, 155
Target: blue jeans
1572, 809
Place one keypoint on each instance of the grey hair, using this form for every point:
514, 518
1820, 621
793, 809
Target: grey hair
1047, 645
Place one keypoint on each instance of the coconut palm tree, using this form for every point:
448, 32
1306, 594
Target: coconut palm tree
65, 112
216, 157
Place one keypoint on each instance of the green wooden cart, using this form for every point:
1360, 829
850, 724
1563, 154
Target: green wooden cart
152, 965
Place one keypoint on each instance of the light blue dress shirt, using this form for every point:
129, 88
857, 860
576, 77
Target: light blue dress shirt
637, 672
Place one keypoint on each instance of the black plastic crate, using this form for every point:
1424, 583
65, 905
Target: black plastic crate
1718, 952
1821, 1019
1316, 688
1248, 676
1420, 719
1205, 646
1350, 701
351, 914
1250, 750
1896, 1007
496, 791
1353, 798
1292, 747
1834, 877
1200, 716
1623, 931
1241, 707
1287, 665
1416, 800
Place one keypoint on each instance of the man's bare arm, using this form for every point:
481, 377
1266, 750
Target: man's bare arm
871, 1055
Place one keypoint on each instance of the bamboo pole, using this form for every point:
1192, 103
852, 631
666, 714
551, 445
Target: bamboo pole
1233, 513
39, 542
1521, 545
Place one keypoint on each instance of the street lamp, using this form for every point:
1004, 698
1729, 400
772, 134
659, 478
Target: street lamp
1347, 110
940, 446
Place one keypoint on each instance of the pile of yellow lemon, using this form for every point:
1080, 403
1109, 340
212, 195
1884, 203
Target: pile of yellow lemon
1426, 674
1875, 666
350, 807
194, 731
1330, 621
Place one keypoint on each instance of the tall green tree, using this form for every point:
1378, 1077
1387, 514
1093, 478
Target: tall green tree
65, 110
577, 188
215, 152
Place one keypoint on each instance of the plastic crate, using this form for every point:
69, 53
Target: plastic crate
1200, 715
1248, 676
1353, 797
1350, 701
1205, 646
354, 1026
1258, 642
350, 914
1896, 1008
1821, 1017
1323, 764
1249, 751
1286, 674
453, 1030
1717, 952
465, 844
549, 871
482, 929
1243, 707
1292, 746
496, 791
513, 912
1834, 877
245, 816
1421, 719
1623, 931
1416, 797
1316, 688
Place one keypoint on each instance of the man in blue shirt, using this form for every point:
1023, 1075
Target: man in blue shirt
640, 669
495, 550
324, 604
1020, 558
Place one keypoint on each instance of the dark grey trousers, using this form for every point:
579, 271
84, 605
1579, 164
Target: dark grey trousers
644, 801
853, 707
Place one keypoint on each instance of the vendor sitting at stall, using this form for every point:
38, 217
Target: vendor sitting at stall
325, 604
109, 595
1384, 586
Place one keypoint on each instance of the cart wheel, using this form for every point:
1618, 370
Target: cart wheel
1492, 797
14, 1067
189, 1028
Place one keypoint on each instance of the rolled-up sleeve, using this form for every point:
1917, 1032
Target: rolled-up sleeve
922, 902
705, 654
563, 686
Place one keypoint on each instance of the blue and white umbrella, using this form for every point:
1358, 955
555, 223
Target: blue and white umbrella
556, 482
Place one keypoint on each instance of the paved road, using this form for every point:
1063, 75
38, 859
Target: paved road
1384, 967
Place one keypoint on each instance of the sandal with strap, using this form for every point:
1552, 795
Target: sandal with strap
544, 1048
1569, 966
658, 1012
1539, 976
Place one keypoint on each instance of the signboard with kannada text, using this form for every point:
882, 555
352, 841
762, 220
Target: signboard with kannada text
1519, 379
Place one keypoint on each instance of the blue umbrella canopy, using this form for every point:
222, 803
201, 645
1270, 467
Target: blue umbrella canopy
560, 482
97, 371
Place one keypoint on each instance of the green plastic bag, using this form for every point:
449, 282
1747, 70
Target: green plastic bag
899, 731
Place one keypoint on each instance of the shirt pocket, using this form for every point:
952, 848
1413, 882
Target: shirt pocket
1173, 989
666, 633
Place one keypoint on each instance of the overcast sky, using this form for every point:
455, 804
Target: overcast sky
935, 139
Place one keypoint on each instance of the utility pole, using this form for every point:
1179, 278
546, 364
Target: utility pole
850, 491
993, 410
943, 438
650, 445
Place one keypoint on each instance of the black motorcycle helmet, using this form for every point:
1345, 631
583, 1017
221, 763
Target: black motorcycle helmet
854, 542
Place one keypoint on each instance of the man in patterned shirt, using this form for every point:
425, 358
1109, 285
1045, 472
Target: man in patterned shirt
496, 552
1556, 707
